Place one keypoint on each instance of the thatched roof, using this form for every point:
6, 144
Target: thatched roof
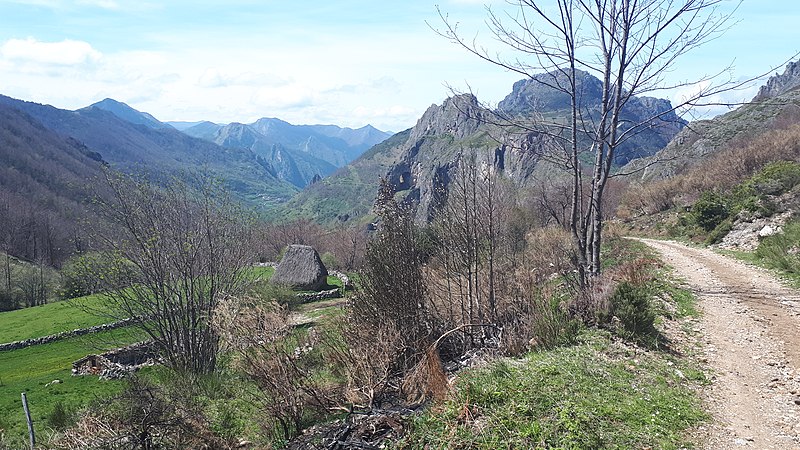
301, 268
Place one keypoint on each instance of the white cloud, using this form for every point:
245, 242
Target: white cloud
707, 100
105, 4
213, 78
64, 53
287, 97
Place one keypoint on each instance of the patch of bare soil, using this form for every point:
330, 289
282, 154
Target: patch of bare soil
750, 335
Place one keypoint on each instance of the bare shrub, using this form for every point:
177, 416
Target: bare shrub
649, 198
186, 247
280, 360
364, 358
592, 305
346, 242
550, 253
392, 292
144, 417
719, 173
637, 272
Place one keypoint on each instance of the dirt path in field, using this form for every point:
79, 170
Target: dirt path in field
749, 335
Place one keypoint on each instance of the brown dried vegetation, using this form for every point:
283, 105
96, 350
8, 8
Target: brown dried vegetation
719, 173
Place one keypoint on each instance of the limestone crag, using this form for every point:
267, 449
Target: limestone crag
458, 116
780, 83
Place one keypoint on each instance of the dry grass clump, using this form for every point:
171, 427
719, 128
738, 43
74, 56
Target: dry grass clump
143, 416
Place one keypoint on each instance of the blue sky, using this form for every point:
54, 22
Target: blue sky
343, 62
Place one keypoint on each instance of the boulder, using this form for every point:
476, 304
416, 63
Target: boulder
301, 268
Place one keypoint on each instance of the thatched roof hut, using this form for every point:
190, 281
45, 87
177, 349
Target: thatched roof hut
301, 268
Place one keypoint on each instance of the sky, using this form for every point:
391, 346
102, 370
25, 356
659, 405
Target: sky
347, 62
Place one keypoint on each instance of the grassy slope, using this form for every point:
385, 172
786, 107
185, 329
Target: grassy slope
29, 369
597, 394
48, 319
351, 189
600, 393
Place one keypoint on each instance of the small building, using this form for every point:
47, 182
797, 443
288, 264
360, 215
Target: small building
301, 268
117, 363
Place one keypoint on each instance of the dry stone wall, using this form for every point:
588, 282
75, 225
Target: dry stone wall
16, 345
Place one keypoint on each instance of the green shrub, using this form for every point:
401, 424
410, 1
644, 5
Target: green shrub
60, 418
226, 422
93, 272
776, 178
9, 300
780, 251
631, 305
709, 211
543, 322
720, 232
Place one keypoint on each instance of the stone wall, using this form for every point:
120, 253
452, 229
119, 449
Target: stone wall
346, 283
117, 363
305, 297
16, 345
316, 296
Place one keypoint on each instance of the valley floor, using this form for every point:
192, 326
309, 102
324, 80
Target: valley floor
749, 334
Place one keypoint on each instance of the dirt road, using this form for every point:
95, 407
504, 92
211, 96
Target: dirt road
749, 335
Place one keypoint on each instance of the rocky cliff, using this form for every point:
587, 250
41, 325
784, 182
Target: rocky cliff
780, 84
776, 105
422, 162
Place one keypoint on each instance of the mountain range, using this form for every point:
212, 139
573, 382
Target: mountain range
157, 150
299, 154
267, 162
50, 158
44, 188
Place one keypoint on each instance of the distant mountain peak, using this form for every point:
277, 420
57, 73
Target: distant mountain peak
129, 114
780, 83
458, 116
110, 102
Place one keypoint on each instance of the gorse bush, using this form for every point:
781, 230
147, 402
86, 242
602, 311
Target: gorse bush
631, 305
709, 211
59, 417
773, 156
720, 231
713, 214
775, 178
782, 251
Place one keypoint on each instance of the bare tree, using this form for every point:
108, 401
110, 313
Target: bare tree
630, 46
185, 248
